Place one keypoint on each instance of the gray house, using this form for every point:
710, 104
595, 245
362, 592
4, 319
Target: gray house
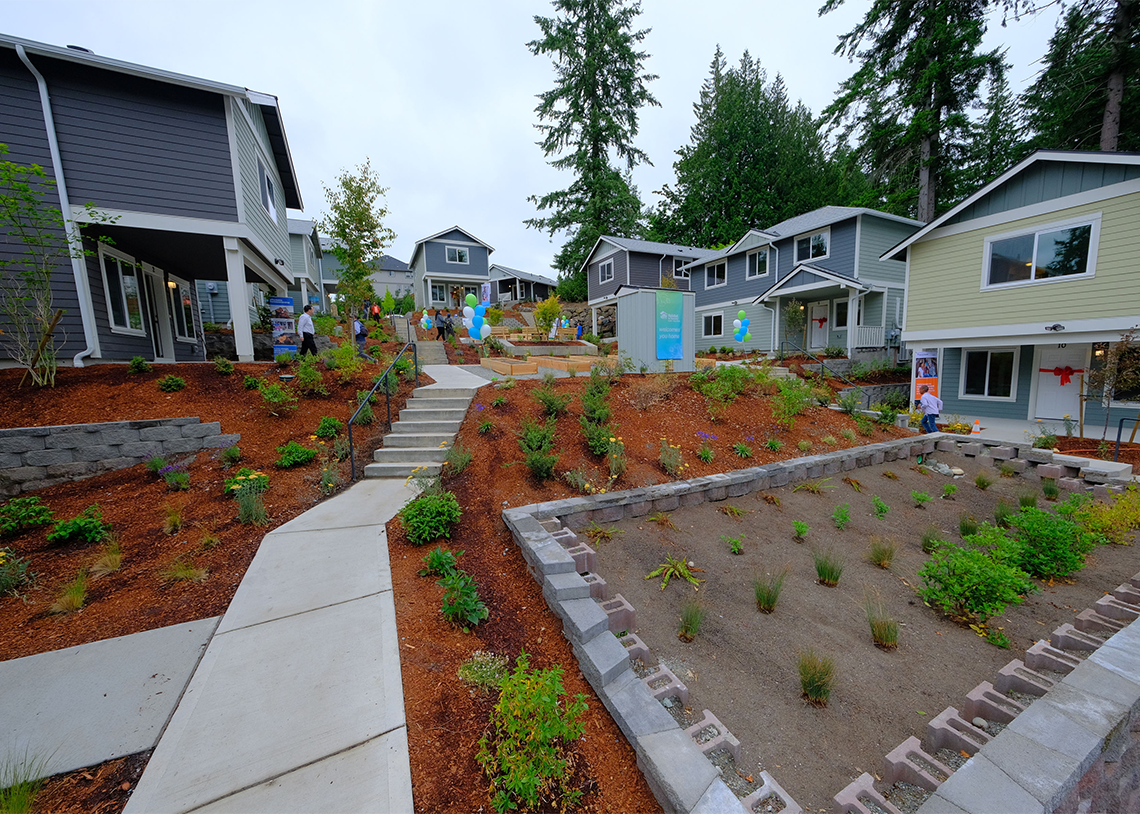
305, 247
389, 274
447, 266
511, 285
618, 261
828, 260
196, 174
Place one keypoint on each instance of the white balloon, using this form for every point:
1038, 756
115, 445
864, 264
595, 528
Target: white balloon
485, 331
467, 322
468, 311
736, 324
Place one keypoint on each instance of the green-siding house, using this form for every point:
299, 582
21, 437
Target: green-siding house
1018, 290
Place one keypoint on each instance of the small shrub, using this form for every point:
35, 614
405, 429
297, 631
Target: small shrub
850, 402
329, 427
735, 544
1050, 489
87, 527
598, 436
793, 396
883, 552
964, 581
458, 458
673, 567
967, 525
172, 519
21, 513
948, 491
176, 477
1048, 546
1027, 499
742, 449
766, 590
485, 426
884, 629
252, 382
461, 605
841, 516
887, 415
880, 507
171, 384
293, 454
223, 366
536, 442
705, 453
243, 477
670, 458
139, 365
1002, 514
828, 568
864, 425
932, 539
250, 497
483, 670
919, 498
278, 399
983, 481
14, 572
430, 516
440, 562
692, 615
553, 404
310, 380
774, 444
817, 674
185, 571
800, 529
73, 596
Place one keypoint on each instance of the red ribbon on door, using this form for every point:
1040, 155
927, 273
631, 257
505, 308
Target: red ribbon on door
820, 320
1065, 374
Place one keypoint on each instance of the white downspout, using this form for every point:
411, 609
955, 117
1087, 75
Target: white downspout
772, 345
78, 264
660, 268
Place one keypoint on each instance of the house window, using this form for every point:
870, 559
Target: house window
606, 271
455, 254
989, 374
506, 287
714, 324
407, 275
1129, 358
716, 275
122, 285
181, 309
677, 273
1055, 251
813, 247
268, 193
757, 264
840, 320
438, 294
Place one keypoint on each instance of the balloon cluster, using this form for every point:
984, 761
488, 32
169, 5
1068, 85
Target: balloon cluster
473, 313
425, 322
741, 325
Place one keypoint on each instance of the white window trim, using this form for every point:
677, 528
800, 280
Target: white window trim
1094, 241
1013, 379
176, 302
835, 326
796, 250
457, 249
268, 198
603, 277
678, 273
105, 251
704, 322
748, 275
709, 268
432, 289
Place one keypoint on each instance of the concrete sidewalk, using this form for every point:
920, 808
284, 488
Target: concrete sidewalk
298, 704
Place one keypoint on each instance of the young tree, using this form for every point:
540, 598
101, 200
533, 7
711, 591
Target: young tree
1116, 374
920, 72
589, 118
355, 225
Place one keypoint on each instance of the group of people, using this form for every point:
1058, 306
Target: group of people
444, 324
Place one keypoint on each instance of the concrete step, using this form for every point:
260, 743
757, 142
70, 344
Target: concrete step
438, 404
433, 392
429, 427
391, 455
415, 413
401, 470
419, 441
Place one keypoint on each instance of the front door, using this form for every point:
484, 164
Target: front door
162, 342
818, 328
1059, 380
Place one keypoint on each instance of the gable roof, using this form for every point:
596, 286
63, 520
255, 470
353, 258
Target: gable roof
1078, 156
270, 111
828, 215
632, 244
307, 229
443, 232
833, 276
523, 275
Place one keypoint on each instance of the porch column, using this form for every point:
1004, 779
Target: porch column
239, 299
594, 320
853, 320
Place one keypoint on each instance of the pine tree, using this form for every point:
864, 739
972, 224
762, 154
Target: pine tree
920, 73
589, 118
997, 141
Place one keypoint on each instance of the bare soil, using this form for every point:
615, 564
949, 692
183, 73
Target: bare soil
742, 665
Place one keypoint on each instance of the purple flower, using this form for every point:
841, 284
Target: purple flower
478, 406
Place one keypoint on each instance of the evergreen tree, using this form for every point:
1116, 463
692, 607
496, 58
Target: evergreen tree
907, 103
588, 119
997, 141
753, 159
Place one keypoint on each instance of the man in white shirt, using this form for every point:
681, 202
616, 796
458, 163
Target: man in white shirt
308, 332
931, 406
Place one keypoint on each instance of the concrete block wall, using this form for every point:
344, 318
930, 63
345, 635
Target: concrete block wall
37, 457
875, 393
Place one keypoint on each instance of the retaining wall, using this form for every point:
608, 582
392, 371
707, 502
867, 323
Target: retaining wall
37, 457
875, 393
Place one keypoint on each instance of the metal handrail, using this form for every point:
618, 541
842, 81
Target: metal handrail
1119, 432
819, 361
388, 397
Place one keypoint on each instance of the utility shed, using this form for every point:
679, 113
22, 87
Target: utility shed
656, 328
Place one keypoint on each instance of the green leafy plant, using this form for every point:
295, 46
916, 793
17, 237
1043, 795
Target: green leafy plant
1048, 546
578, 480
329, 427
533, 727
883, 552
250, 497
919, 498
841, 516
801, 529
243, 477
864, 425
310, 379
209, 540
880, 507
675, 568
735, 544
251, 382
14, 572
156, 463
440, 562
458, 458
598, 534
964, 581
742, 449
294, 454
364, 403
230, 456
1027, 499
774, 444
887, 415
705, 453
948, 491
598, 436
537, 443
766, 590
662, 519
486, 426
139, 365
692, 616
792, 397
998, 639
461, 604
184, 570
932, 539
21, 513
223, 366
171, 384
850, 401
983, 481
429, 516
483, 670
88, 527
817, 674
828, 568
670, 458
73, 596
278, 399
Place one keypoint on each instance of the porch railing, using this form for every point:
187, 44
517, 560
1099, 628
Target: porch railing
787, 346
870, 336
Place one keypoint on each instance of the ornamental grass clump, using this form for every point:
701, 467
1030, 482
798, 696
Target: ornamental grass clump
882, 552
884, 629
766, 590
983, 481
828, 568
692, 616
278, 399
430, 516
527, 752
1027, 499
932, 539
1050, 489
21, 781
817, 674
185, 571
73, 596
329, 427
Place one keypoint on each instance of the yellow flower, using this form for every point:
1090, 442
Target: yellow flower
602, 491
612, 440
312, 438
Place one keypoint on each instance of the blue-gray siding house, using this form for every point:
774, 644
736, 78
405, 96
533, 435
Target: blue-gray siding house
196, 176
828, 261
510, 285
447, 266
388, 274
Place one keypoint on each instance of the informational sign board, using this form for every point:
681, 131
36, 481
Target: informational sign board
285, 336
926, 371
485, 292
669, 340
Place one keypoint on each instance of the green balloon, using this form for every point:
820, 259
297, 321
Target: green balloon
741, 314
471, 300
748, 337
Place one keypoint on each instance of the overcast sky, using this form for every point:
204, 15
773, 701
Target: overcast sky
440, 94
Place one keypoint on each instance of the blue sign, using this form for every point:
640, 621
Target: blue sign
669, 340
284, 328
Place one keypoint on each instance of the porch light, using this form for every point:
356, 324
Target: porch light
171, 284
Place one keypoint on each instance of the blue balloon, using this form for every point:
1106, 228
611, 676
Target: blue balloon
473, 333
736, 337
477, 322
480, 310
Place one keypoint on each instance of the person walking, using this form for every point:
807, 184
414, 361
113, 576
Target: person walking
441, 321
308, 332
360, 334
931, 406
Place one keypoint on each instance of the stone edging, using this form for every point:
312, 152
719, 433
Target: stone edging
37, 457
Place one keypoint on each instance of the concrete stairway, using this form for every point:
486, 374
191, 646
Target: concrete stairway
431, 352
423, 432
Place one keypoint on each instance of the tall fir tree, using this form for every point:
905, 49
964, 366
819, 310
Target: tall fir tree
920, 72
589, 120
997, 140
753, 159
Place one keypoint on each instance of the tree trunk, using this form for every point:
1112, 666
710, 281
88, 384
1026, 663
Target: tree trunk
1114, 90
926, 182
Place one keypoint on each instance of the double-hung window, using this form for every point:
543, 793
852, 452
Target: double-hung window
1055, 251
678, 274
716, 275
989, 373
457, 254
606, 271
181, 309
437, 293
122, 283
757, 264
268, 193
813, 247
713, 325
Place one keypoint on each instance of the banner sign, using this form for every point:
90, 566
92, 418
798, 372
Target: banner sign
485, 292
669, 341
926, 371
285, 336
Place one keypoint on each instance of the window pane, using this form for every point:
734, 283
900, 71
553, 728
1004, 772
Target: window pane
757, 264
1001, 374
115, 292
187, 311
803, 248
1011, 259
176, 312
841, 315
1062, 253
976, 363
819, 245
462, 255
131, 292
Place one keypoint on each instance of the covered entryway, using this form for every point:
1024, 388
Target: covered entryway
818, 328
1058, 380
